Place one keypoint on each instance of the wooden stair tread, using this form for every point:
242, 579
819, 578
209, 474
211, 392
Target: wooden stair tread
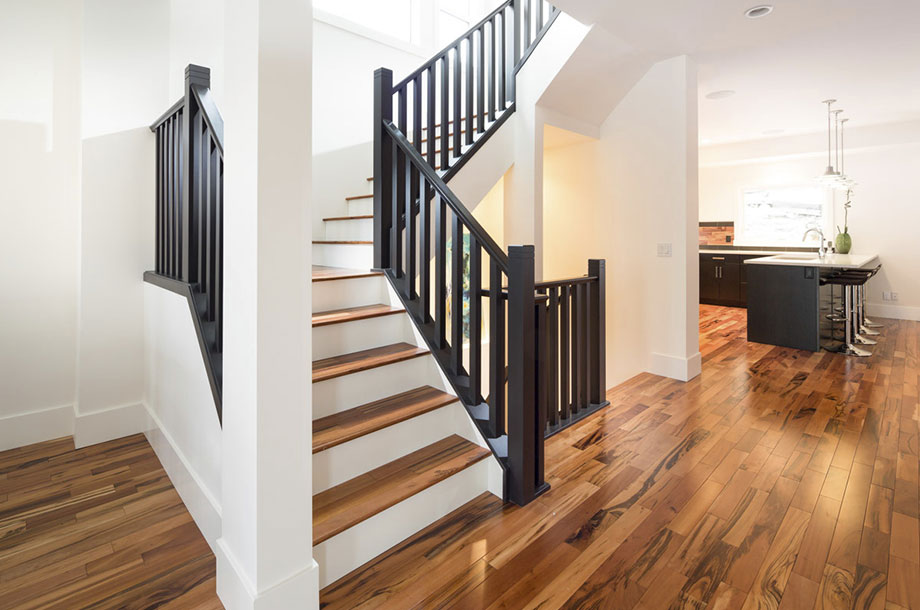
345, 505
323, 273
337, 366
349, 314
339, 428
355, 197
358, 217
342, 241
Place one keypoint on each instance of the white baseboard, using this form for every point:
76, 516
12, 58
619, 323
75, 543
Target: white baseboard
676, 367
200, 502
109, 424
236, 591
896, 312
34, 427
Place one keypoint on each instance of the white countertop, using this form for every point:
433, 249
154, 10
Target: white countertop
748, 252
806, 259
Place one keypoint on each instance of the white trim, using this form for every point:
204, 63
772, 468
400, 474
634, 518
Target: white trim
198, 499
896, 312
109, 424
24, 429
236, 591
676, 367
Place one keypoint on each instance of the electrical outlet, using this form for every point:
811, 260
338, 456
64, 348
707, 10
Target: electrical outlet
893, 295
886, 296
664, 250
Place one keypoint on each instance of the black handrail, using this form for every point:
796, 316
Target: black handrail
189, 213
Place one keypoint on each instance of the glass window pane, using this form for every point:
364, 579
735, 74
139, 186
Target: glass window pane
780, 216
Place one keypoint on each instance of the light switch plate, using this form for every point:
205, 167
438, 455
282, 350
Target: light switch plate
664, 250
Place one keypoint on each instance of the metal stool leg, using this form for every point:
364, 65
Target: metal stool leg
858, 337
867, 323
864, 330
848, 347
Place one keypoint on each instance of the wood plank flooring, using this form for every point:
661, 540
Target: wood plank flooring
99, 527
777, 479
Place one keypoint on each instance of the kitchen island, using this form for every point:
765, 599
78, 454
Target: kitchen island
787, 305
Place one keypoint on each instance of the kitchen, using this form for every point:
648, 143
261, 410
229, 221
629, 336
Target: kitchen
808, 204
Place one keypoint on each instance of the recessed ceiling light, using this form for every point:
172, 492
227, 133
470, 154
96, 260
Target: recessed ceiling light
761, 10
718, 95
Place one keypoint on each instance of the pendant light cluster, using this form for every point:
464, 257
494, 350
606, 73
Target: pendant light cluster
835, 175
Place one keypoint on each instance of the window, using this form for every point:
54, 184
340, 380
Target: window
393, 18
780, 216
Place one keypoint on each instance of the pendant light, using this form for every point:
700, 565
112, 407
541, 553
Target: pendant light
830, 174
845, 181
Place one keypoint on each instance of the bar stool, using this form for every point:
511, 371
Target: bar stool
860, 332
867, 323
849, 282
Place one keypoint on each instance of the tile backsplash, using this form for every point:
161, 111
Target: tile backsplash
717, 233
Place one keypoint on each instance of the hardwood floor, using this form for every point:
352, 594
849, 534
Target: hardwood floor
777, 479
99, 527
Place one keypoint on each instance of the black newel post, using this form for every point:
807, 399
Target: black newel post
383, 166
525, 426
598, 315
191, 206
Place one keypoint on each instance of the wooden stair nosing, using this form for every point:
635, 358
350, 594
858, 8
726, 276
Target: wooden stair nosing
338, 428
351, 314
347, 242
357, 217
356, 197
346, 364
323, 273
345, 505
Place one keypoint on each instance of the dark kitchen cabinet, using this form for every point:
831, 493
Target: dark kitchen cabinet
721, 280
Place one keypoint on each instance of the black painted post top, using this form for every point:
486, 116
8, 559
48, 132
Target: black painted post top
197, 75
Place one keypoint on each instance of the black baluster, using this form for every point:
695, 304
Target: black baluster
490, 66
430, 110
469, 91
496, 352
424, 254
565, 323
456, 296
440, 273
458, 88
481, 82
552, 413
445, 113
475, 321
409, 210
596, 268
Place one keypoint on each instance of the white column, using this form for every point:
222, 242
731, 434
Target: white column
265, 550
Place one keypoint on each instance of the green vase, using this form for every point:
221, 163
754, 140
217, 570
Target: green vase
843, 243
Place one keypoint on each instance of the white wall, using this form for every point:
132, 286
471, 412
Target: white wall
616, 198
886, 207
184, 430
39, 217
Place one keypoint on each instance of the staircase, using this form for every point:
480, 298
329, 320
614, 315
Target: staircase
437, 376
393, 449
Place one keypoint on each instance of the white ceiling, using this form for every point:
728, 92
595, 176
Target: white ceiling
865, 54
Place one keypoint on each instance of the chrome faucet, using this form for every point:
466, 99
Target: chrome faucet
822, 251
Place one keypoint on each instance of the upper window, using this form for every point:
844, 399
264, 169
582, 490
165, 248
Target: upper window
780, 216
393, 18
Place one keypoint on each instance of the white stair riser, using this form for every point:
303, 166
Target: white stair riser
364, 541
360, 207
351, 256
348, 391
355, 292
354, 229
349, 460
354, 336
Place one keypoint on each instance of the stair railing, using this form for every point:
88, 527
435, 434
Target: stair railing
190, 213
452, 277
